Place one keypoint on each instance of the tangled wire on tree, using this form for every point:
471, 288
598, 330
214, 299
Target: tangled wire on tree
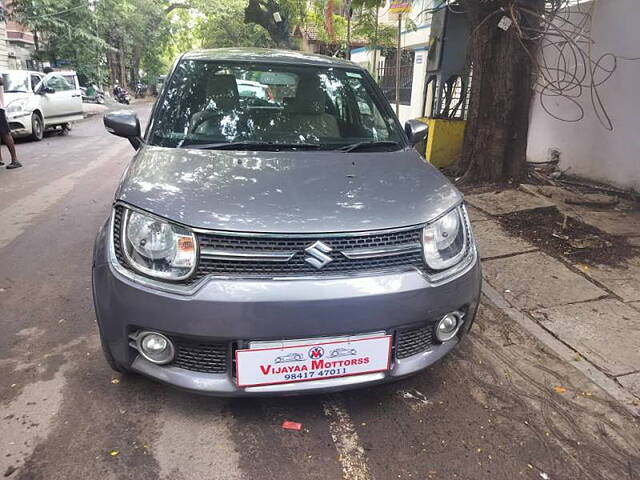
518, 47
565, 63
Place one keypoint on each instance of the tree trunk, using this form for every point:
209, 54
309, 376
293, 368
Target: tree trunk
328, 21
375, 43
111, 60
495, 139
135, 67
122, 65
261, 12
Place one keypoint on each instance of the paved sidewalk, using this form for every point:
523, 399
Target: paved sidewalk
589, 309
90, 109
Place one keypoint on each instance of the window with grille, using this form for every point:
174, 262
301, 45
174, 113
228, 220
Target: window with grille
387, 75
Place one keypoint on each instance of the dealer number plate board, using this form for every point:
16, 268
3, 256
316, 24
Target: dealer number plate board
271, 363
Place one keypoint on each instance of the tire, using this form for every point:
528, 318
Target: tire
115, 366
37, 127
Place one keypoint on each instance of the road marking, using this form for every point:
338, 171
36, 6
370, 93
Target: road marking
350, 453
16, 218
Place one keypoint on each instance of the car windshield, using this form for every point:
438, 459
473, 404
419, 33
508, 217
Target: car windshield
209, 103
16, 81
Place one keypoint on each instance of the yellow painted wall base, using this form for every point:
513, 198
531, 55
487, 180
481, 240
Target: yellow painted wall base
444, 143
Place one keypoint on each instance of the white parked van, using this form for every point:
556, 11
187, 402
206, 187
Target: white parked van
35, 102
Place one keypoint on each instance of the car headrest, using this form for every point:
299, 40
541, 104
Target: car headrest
310, 96
222, 90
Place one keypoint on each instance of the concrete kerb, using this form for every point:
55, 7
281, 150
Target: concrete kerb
564, 351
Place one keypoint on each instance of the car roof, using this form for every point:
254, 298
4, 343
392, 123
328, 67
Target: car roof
268, 55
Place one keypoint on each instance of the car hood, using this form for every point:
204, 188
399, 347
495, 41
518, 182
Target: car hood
12, 96
287, 192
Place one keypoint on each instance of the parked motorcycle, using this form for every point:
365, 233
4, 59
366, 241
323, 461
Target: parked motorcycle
121, 95
141, 90
92, 94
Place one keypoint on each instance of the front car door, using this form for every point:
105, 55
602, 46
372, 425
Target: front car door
76, 97
61, 105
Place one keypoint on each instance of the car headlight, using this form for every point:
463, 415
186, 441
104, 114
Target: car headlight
17, 106
445, 240
158, 248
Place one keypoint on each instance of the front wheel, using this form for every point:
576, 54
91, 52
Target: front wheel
37, 127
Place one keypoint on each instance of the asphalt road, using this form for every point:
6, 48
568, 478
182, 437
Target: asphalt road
501, 407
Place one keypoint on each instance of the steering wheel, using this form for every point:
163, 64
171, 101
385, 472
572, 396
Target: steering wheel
204, 116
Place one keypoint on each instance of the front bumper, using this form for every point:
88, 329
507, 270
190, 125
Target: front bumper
20, 124
234, 312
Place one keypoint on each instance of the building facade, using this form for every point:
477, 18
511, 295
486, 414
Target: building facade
573, 128
20, 46
413, 60
4, 51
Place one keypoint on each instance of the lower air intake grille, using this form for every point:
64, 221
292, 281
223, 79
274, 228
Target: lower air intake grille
411, 341
201, 357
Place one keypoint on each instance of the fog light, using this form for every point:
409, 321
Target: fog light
155, 347
448, 327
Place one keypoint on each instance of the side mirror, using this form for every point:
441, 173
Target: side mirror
44, 90
416, 131
124, 124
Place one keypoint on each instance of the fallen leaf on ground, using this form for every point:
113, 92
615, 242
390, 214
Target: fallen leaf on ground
115, 381
114, 453
559, 389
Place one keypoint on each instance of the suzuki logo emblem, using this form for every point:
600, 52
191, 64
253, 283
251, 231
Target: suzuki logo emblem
318, 255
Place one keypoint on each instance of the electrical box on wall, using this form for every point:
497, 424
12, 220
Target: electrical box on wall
448, 43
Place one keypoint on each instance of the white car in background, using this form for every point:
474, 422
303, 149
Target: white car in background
35, 102
257, 90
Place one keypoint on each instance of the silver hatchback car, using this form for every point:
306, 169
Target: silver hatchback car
280, 245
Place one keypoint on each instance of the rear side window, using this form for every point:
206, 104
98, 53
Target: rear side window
71, 80
58, 83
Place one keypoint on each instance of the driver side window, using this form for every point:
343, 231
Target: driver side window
35, 81
370, 116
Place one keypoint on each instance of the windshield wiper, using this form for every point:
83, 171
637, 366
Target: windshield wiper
247, 145
368, 144
15, 91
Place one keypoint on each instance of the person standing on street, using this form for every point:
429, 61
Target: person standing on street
5, 131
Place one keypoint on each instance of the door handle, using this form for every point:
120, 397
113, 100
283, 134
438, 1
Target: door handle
78, 95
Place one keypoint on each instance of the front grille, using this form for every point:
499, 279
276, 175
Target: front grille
201, 357
411, 341
296, 266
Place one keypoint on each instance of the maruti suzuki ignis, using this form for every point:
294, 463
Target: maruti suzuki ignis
276, 232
